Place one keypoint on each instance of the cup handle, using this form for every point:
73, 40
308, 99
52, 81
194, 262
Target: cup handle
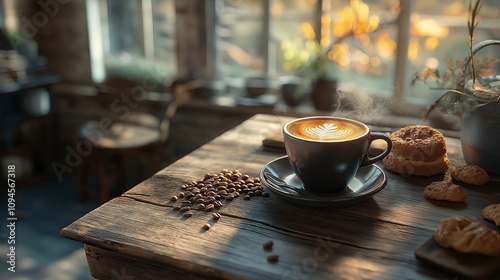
374, 136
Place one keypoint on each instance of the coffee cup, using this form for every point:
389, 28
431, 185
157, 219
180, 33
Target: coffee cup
326, 152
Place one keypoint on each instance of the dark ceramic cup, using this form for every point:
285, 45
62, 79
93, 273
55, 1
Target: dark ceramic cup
326, 152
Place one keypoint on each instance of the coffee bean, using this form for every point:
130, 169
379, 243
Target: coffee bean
177, 207
200, 206
218, 203
216, 215
211, 193
272, 258
185, 208
209, 207
208, 200
222, 192
268, 245
246, 197
206, 226
265, 194
174, 198
187, 214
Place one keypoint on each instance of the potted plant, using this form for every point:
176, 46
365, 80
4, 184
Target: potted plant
315, 60
472, 93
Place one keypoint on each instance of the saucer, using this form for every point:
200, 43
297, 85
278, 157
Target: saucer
369, 180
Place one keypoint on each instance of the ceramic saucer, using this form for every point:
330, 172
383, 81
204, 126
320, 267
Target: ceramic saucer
369, 180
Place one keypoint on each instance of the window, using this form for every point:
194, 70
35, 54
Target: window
254, 38
132, 39
438, 31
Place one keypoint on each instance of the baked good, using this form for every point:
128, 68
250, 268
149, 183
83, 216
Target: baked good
470, 174
468, 235
492, 213
444, 190
417, 150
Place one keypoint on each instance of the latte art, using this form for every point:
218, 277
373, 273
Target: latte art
326, 129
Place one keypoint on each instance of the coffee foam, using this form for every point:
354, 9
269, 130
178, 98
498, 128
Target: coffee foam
326, 129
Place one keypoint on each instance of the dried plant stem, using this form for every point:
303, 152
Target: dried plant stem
472, 24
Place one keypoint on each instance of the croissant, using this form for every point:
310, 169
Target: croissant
468, 235
492, 213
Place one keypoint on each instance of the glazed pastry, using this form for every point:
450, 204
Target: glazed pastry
443, 190
417, 150
492, 213
470, 174
468, 235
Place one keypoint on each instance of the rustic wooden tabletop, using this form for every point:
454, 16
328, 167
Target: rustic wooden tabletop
142, 234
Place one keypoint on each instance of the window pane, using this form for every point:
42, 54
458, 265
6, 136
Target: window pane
138, 38
367, 59
439, 32
164, 31
292, 23
125, 16
240, 39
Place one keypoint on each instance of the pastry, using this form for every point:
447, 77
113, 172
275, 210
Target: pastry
468, 235
492, 213
417, 150
444, 190
470, 174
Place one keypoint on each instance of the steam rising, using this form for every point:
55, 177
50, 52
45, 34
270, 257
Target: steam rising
359, 105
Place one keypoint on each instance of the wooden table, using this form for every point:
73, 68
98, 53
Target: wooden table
140, 234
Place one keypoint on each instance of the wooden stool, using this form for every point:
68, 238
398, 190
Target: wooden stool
109, 148
140, 135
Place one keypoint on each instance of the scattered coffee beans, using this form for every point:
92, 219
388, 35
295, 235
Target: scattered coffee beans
209, 192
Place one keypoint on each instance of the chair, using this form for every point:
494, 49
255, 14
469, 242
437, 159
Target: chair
140, 136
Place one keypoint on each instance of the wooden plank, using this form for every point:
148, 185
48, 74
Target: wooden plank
232, 248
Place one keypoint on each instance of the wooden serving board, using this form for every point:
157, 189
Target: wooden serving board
470, 266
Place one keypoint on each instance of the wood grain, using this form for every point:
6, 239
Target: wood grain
374, 239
